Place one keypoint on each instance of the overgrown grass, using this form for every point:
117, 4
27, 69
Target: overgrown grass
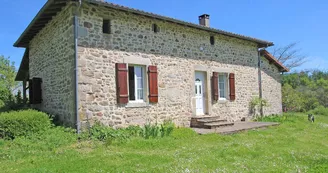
295, 146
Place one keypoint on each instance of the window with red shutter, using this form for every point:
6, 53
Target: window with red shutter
122, 83
232, 86
153, 84
215, 88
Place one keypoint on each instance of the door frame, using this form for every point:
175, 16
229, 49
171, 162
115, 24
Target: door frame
206, 93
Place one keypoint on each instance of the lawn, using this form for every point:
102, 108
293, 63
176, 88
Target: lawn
295, 146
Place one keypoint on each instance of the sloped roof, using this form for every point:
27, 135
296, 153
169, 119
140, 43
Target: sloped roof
273, 60
52, 7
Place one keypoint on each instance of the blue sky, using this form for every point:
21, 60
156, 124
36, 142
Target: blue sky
279, 21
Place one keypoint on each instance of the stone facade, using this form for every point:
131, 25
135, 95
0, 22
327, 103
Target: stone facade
51, 57
177, 51
271, 88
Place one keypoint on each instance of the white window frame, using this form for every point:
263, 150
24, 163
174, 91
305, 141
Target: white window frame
144, 79
226, 86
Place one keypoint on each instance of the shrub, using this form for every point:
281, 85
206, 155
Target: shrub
167, 128
23, 123
108, 134
255, 105
287, 117
155, 130
150, 131
320, 110
134, 131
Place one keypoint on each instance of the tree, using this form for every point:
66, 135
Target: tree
7, 80
291, 99
290, 56
19, 99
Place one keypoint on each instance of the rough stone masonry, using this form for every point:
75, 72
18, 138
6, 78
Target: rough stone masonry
177, 51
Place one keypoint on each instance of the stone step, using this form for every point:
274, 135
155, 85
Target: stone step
211, 120
205, 117
199, 121
217, 124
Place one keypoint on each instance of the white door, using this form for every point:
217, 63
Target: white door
199, 97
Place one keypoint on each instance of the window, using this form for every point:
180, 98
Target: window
136, 83
106, 26
212, 40
155, 28
223, 86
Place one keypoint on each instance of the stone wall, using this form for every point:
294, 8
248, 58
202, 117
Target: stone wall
178, 51
52, 59
271, 84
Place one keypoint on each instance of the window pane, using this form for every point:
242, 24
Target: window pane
221, 78
139, 82
138, 71
222, 94
195, 89
222, 86
200, 89
140, 94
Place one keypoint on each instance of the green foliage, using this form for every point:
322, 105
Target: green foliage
256, 103
292, 99
155, 131
288, 117
167, 128
110, 135
320, 110
7, 80
19, 99
296, 145
305, 91
23, 123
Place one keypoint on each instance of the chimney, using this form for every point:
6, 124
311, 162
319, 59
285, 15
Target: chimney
204, 20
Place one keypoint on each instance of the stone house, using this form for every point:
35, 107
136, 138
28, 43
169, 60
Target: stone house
95, 60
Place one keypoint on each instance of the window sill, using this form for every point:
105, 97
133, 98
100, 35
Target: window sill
223, 100
137, 105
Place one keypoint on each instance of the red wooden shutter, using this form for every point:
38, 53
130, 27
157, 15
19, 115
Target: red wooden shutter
122, 83
153, 84
215, 86
36, 90
232, 86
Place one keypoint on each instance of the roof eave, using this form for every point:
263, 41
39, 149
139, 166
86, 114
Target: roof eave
45, 6
272, 59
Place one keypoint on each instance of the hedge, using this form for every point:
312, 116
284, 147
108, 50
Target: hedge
23, 123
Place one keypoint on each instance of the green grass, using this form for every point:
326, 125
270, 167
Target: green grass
295, 146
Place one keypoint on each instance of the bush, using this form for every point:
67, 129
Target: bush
154, 131
321, 110
287, 117
110, 135
23, 123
